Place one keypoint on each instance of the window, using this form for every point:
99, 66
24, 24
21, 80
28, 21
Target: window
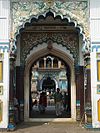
48, 62
55, 63
41, 63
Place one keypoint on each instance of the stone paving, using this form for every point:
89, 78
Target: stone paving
69, 127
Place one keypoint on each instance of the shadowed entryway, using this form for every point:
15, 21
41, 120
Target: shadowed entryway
46, 74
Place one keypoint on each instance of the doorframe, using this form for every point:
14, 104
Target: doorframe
36, 53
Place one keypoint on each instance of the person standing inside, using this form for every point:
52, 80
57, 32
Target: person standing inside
58, 102
42, 102
65, 101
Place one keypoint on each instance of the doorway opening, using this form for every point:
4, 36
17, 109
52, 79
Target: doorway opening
46, 75
48, 84
37, 48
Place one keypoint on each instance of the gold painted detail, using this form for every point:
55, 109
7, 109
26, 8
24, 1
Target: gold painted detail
89, 119
98, 70
49, 2
1, 110
98, 104
88, 66
1, 71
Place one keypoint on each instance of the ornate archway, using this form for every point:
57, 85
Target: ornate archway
74, 12
43, 46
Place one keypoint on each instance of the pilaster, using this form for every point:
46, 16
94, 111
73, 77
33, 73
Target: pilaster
79, 73
87, 87
12, 58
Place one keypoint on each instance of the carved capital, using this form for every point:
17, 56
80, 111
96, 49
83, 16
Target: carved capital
87, 61
86, 47
12, 50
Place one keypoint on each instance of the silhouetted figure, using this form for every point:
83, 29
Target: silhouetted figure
65, 101
42, 102
58, 102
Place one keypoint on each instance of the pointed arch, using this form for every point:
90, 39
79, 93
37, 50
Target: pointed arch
35, 55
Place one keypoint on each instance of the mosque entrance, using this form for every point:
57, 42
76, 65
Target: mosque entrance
47, 74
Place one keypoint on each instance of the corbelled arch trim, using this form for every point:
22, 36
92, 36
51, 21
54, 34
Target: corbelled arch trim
80, 28
75, 12
67, 17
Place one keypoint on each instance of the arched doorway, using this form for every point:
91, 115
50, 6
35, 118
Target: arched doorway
48, 84
61, 39
68, 59
46, 79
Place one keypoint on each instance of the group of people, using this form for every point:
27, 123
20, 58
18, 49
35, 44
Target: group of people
59, 100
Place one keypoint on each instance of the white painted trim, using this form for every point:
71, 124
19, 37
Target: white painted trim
94, 96
5, 96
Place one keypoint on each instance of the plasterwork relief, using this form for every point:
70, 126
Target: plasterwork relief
31, 40
22, 11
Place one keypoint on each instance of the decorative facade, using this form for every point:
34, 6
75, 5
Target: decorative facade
44, 42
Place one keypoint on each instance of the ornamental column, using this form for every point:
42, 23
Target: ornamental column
87, 83
79, 73
87, 87
12, 57
44, 62
52, 62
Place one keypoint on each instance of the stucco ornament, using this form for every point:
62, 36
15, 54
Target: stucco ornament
86, 47
22, 11
49, 2
31, 40
75, 11
13, 48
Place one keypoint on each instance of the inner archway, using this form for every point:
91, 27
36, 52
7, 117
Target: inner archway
46, 77
48, 84
67, 59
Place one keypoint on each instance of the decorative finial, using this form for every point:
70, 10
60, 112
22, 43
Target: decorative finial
49, 2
